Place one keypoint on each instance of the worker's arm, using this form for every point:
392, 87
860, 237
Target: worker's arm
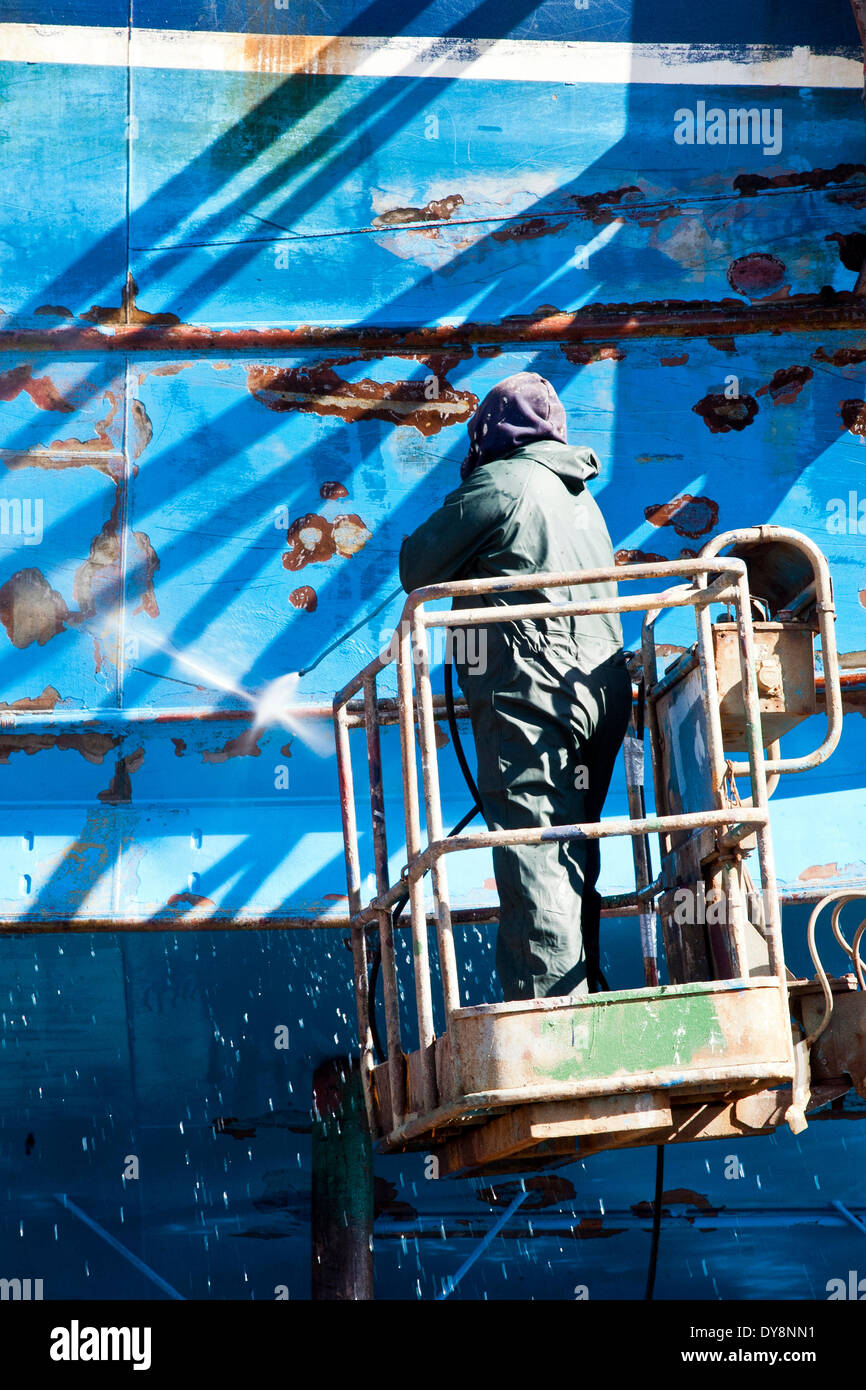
466, 523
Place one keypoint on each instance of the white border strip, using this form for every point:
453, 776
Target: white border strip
487, 60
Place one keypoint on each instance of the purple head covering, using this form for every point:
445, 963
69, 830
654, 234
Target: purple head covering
518, 411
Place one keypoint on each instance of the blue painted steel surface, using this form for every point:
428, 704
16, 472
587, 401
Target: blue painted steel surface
149, 500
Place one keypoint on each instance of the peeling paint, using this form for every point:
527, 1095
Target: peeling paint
529, 230
189, 900
842, 357
601, 208
41, 389
584, 354
312, 539
638, 557
91, 745
689, 516
245, 745
46, 701
140, 429
320, 391
675, 361
330, 492
437, 210
748, 185
721, 413
30, 610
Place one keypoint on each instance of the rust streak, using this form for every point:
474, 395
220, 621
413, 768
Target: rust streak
826, 310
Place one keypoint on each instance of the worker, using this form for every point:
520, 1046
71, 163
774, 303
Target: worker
549, 698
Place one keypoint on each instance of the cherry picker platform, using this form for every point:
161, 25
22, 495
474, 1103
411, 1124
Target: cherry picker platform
731, 1044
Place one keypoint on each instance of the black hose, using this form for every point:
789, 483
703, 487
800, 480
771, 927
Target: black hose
657, 1221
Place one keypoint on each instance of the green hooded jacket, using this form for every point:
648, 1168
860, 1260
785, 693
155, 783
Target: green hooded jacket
528, 511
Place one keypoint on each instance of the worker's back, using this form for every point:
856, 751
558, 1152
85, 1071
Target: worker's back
549, 522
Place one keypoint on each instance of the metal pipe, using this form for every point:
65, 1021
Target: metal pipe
353, 890
432, 803
680, 597
826, 617
758, 776
418, 917
680, 319
386, 939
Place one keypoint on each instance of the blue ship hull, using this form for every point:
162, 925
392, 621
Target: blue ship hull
252, 284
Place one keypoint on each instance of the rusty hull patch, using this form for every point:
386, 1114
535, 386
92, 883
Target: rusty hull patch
786, 384
119, 792
529, 230
245, 745
749, 185
312, 539
601, 208
585, 354
679, 361
689, 516
332, 492
638, 557
30, 610
842, 357
41, 389
757, 274
190, 900
304, 598
127, 311
721, 413
853, 414
92, 745
320, 391
46, 701
437, 210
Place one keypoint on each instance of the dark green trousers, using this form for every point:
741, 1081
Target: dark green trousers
549, 714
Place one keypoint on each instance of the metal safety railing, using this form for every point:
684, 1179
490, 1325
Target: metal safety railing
709, 580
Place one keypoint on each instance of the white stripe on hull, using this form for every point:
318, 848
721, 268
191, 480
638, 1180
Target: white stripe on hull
487, 60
